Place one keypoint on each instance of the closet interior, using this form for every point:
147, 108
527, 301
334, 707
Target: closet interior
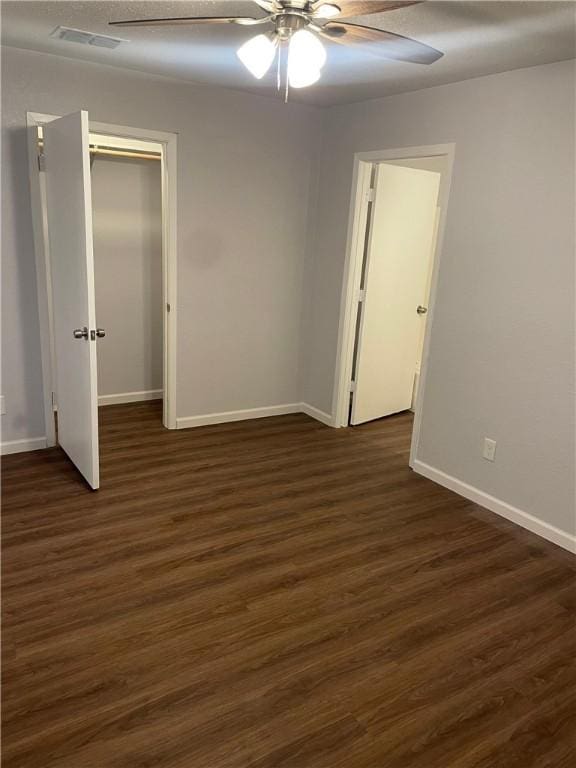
127, 225
127, 239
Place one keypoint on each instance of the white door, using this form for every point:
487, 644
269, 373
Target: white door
69, 210
399, 254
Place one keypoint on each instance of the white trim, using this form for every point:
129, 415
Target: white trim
255, 413
316, 413
170, 284
130, 397
43, 281
357, 221
119, 143
502, 508
363, 162
168, 144
109, 129
188, 421
19, 446
226, 416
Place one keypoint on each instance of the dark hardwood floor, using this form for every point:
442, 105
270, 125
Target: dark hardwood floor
275, 594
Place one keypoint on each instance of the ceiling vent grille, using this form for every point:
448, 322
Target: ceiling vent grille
86, 38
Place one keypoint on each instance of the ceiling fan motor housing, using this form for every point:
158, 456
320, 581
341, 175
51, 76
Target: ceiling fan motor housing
287, 23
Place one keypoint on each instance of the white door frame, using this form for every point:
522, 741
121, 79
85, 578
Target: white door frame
124, 134
357, 221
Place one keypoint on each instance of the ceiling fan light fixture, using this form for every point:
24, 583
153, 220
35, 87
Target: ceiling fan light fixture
307, 49
306, 57
302, 77
327, 11
257, 54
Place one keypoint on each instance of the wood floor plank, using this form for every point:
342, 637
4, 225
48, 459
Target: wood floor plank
275, 594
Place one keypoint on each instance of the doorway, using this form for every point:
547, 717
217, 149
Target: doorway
103, 208
127, 233
396, 225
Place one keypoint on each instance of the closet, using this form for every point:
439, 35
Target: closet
104, 219
127, 239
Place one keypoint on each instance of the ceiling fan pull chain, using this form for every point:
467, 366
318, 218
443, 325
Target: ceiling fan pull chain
287, 91
279, 68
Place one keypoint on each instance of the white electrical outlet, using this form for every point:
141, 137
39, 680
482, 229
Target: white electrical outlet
2, 405
489, 449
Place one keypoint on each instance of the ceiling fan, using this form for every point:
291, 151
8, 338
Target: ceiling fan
300, 24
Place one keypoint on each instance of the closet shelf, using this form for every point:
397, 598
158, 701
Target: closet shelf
96, 149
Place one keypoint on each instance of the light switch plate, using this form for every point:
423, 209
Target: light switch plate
489, 452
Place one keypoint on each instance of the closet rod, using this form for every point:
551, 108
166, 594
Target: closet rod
109, 152
106, 151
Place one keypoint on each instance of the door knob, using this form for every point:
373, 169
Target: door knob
421, 310
80, 333
100, 332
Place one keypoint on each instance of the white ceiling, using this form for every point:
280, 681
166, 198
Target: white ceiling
478, 38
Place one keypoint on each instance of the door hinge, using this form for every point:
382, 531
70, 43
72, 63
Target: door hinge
352, 386
370, 195
41, 161
53, 397
167, 307
362, 294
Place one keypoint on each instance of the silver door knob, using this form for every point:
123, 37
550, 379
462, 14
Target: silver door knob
421, 310
80, 333
100, 332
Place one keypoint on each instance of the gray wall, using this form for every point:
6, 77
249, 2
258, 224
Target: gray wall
245, 168
502, 341
127, 222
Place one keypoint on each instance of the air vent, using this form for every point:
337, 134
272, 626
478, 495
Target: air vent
86, 38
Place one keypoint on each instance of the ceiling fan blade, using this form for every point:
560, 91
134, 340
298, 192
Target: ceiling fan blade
351, 8
381, 43
268, 5
188, 20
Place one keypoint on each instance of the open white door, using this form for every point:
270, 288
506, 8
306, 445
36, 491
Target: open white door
401, 245
69, 210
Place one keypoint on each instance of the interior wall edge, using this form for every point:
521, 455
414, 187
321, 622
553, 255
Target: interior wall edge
308, 272
316, 413
523, 519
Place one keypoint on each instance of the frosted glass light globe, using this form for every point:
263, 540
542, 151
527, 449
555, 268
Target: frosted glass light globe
306, 57
257, 54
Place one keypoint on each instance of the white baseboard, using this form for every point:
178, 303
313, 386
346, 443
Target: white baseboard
515, 515
19, 446
33, 444
186, 422
130, 397
250, 413
316, 413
